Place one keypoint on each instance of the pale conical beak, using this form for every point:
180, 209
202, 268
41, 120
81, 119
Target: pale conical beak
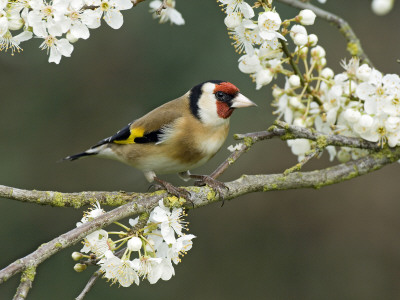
241, 101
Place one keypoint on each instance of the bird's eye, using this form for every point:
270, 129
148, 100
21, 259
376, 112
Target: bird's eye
221, 96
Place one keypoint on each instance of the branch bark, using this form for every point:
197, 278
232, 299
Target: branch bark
202, 196
353, 43
26, 283
96, 275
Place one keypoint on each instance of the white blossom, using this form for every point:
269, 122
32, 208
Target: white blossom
168, 14
263, 77
249, 64
170, 222
238, 6
96, 242
118, 270
269, 24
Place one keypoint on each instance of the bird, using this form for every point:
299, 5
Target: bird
177, 136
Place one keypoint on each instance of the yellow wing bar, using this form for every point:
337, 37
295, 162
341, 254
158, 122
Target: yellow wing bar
135, 133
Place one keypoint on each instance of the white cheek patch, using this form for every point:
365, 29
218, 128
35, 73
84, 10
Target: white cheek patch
208, 109
208, 88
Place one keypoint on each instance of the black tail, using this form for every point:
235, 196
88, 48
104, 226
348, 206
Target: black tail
79, 155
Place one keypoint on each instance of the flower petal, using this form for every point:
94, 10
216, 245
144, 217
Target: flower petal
114, 18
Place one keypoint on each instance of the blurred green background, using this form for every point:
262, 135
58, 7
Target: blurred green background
340, 242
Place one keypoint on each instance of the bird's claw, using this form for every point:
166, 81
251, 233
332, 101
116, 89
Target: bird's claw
173, 190
218, 186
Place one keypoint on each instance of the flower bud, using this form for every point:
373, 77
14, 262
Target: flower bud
366, 121
312, 40
299, 35
381, 7
80, 267
327, 73
352, 115
343, 155
318, 52
15, 23
134, 244
295, 102
307, 17
76, 256
322, 62
300, 39
363, 72
303, 52
70, 37
392, 123
299, 122
294, 81
277, 92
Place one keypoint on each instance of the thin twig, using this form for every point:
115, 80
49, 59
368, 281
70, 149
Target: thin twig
305, 160
25, 285
163, 5
296, 70
250, 139
96, 275
353, 43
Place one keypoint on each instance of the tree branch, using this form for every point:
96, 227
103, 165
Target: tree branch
353, 43
75, 200
202, 196
26, 283
96, 275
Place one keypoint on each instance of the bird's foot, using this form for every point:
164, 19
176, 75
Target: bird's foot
218, 186
171, 189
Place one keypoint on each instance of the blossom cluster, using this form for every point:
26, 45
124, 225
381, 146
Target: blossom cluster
150, 251
359, 102
261, 39
60, 23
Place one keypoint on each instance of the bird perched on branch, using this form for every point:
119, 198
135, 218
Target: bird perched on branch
176, 137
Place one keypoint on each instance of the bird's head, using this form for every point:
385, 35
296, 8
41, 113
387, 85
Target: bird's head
213, 101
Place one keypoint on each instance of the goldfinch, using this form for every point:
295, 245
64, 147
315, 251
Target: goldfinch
176, 137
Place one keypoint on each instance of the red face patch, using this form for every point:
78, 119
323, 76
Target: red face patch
226, 87
223, 110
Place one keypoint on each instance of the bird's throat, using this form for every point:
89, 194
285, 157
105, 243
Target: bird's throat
223, 110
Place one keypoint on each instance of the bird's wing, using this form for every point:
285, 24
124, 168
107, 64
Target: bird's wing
151, 127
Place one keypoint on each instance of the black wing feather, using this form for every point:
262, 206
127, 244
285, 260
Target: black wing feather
121, 135
124, 134
151, 137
